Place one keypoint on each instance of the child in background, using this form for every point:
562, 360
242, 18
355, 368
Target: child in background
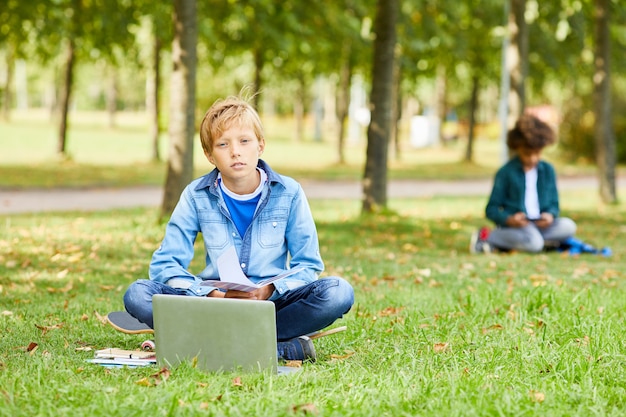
524, 201
266, 216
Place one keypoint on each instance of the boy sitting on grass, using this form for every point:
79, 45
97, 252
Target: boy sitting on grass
266, 216
524, 201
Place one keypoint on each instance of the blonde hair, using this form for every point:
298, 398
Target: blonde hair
225, 113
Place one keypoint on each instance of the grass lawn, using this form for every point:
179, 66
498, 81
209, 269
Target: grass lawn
434, 330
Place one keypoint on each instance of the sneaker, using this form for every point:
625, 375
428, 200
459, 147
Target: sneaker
297, 349
478, 241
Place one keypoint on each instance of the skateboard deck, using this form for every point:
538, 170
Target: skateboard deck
125, 323
323, 333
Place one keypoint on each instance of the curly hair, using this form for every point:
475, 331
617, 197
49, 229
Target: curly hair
530, 132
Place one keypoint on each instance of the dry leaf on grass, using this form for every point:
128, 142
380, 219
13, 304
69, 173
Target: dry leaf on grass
305, 408
491, 328
155, 379
390, 311
237, 382
45, 329
441, 347
68, 287
342, 357
536, 396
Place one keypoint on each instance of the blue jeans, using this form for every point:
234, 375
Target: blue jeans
300, 311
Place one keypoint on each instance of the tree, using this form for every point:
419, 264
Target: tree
379, 130
603, 129
517, 59
182, 104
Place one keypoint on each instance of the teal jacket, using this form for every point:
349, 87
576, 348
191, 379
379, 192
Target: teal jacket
509, 187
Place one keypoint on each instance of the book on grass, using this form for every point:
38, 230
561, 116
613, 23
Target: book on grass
114, 353
120, 362
115, 357
233, 278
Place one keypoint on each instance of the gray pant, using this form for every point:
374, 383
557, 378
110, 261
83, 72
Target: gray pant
531, 238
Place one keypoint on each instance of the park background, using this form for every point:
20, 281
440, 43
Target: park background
434, 330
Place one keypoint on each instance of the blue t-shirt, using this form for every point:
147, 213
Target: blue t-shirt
243, 207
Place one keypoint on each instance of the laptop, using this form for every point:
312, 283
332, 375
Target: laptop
219, 334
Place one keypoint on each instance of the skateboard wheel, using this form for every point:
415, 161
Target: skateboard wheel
148, 345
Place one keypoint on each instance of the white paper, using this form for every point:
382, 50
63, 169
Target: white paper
233, 278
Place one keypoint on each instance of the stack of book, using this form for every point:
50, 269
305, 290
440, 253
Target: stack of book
122, 357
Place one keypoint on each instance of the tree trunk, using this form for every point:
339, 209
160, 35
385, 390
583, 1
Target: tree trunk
603, 129
396, 110
111, 95
8, 84
517, 59
343, 101
375, 176
66, 90
469, 151
440, 105
182, 104
258, 78
152, 97
298, 109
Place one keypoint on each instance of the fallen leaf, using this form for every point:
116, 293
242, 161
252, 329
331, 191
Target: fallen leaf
63, 273
441, 347
32, 346
155, 379
7, 313
84, 349
341, 357
84, 317
492, 327
45, 329
583, 342
305, 408
237, 382
144, 382
536, 396
293, 364
68, 287
389, 311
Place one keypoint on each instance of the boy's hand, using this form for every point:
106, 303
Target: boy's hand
517, 220
545, 220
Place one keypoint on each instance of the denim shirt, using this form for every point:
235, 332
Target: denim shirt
282, 235
509, 188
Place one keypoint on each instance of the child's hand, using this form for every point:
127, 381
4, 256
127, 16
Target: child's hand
545, 220
517, 220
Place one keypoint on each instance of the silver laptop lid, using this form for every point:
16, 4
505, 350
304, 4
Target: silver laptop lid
223, 334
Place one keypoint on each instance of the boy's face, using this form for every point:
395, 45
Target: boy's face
236, 154
529, 157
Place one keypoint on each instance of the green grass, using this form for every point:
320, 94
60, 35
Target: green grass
434, 330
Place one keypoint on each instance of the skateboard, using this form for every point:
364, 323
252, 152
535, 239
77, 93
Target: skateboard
323, 333
125, 323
